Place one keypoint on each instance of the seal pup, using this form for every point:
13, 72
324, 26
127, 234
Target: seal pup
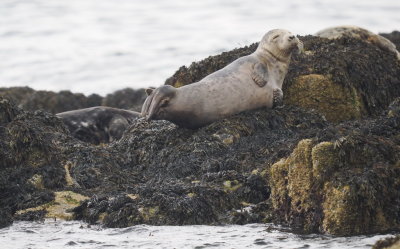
250, 82
359, 33
98, 124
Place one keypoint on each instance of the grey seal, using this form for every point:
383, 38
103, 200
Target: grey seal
250, 82
98, 124
359, 33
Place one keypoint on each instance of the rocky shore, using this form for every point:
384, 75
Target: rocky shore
31, 100
328, 161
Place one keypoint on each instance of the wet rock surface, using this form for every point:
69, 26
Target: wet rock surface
293, 165
32, 100
127, 98
343, 181
393, 37
157, 173
388, 243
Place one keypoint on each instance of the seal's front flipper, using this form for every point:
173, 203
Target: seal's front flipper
259, 74
278, 97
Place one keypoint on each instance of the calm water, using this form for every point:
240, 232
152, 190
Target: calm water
98, 46
77, 235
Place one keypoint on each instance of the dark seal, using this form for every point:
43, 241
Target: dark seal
98, 124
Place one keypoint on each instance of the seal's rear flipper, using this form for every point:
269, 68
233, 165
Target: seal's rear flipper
259, 74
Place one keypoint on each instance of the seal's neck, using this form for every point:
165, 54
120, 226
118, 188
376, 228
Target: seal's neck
282, 56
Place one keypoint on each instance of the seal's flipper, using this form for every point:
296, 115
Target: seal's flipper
259, 74
117, 127
278, 97
149, 91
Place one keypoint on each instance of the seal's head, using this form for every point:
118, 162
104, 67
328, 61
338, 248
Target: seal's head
280, 44
157, 102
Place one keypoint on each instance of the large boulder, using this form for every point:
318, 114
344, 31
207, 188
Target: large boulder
393, 37
342, 79
180, 176
31, 100
29, 159
388, 243
157, 173
126, 98
56, 102
344, 180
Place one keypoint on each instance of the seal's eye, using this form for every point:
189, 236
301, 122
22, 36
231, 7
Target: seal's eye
273, 38
164, 102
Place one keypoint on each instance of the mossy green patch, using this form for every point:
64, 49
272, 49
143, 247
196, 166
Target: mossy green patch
341, 190
59, 208
149, 213
324, 160
231, 186
37, 181
319, 92
279, 180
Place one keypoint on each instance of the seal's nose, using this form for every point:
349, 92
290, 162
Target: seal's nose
291, 37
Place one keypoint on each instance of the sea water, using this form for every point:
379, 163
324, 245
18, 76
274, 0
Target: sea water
99, 46
74, 234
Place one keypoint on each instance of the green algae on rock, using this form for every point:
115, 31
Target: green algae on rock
335, 102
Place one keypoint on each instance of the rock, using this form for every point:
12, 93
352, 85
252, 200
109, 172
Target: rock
182, 176
361, 34
31, 100
348, 78
60, 207
393, 37
126, 99
7, 112
156, 174
335, 102
342, 183
388, 243
16, 94
29, 159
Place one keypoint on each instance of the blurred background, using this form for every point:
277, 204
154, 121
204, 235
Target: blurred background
99, 46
